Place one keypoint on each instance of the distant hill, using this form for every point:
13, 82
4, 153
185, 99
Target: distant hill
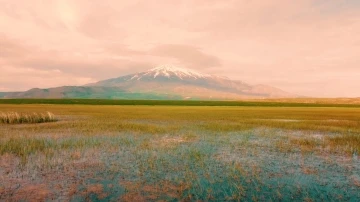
92, 92
2, 94
163, 82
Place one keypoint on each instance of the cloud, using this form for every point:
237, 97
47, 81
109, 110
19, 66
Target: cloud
10, 49
100, 21
21, 59
189, 55
27, 78
303, 45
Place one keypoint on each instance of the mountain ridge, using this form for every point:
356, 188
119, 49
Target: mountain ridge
161, 82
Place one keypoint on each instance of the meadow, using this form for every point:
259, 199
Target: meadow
262, 152
290, 102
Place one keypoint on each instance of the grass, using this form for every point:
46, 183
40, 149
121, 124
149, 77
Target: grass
190, 153
260, 103
347, 143
18, 118
23, 147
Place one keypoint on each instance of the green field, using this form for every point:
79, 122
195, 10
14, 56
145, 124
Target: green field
110, 150
352, 103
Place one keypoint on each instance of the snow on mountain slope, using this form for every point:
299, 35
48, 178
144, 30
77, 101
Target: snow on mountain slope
168, 70
168, 79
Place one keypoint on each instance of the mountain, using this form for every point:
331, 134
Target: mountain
191, 84
163, 82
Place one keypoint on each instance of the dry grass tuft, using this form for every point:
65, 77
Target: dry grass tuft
95, 189
18, 118
32, 192
348, 143
309, 170
305, 144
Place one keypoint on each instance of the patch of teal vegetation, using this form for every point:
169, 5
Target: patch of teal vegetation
206, 175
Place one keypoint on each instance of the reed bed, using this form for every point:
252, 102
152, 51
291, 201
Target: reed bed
19, 118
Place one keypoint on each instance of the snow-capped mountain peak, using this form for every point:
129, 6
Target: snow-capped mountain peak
170, 71
167, 70
187, 83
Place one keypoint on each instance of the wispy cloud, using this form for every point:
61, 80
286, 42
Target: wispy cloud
188, 55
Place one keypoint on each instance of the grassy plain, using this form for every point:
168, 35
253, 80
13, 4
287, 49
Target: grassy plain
294, 102
189, 153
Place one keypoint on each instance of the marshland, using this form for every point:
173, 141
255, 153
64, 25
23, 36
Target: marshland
172, 153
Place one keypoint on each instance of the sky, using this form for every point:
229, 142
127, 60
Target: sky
306, 47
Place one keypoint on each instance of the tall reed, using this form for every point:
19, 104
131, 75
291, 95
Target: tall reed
18, 118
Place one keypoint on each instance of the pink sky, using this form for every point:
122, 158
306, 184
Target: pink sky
306, 47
